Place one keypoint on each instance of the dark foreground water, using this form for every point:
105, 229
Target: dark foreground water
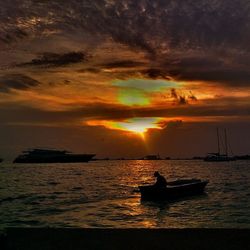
101, 194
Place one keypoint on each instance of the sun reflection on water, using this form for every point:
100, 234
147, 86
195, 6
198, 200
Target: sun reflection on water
101, 195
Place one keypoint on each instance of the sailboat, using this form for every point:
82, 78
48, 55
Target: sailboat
215, 157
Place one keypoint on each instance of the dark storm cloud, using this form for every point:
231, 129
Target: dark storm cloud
149, 25
225, 70
180, 98
11, 114
13, 35
122, 64
211, 70
228, 76
16, 81
212, 107
28, 115
55, 60
211, 38
155, 73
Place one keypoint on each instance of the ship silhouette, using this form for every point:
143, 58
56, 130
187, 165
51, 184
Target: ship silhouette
218, 156
44, 155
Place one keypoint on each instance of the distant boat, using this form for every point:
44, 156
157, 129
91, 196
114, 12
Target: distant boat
216, 157
152, 157
38, 155
174, 190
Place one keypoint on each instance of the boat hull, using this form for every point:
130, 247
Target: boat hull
219, 159
74, 158
174, 190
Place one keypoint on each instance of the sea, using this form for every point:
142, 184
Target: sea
104, 194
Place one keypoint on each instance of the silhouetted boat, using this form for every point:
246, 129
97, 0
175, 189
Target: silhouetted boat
216, 157
38, 155
152, 157
174, 190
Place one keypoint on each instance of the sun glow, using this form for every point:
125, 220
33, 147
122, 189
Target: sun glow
137, 126
136, 92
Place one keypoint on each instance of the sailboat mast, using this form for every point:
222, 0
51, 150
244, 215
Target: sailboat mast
225, 131
218, 141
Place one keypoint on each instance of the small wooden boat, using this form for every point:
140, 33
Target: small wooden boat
174, 190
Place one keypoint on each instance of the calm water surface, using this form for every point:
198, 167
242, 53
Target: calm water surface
101, 194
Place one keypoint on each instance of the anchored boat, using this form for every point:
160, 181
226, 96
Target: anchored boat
216, 157
173, 190
38, 155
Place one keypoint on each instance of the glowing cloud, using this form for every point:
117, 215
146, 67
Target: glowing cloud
132, 97
145, 84
136, 91
136, 125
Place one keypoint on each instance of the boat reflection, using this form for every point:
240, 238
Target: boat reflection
169, 202
170, 213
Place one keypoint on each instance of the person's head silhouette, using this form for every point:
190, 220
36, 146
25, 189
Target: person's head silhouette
156, 173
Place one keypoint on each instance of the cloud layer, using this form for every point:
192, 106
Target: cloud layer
188, 41
16, 81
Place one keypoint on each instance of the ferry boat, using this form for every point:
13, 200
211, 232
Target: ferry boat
40, 155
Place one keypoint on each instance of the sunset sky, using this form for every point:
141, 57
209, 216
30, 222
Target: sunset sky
124, 78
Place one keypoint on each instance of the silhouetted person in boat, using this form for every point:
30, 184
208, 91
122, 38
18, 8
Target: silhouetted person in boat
161, 181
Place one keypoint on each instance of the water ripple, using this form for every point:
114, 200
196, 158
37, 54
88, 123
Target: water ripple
103, 194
